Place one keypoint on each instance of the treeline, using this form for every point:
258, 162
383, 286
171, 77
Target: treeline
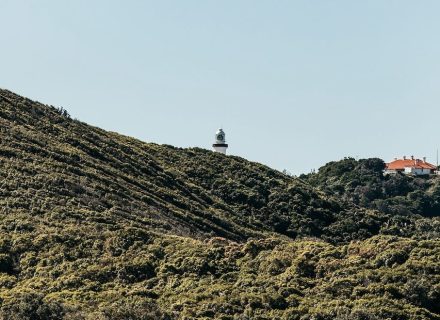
363, 183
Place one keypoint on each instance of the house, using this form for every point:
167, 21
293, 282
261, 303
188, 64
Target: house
410, 166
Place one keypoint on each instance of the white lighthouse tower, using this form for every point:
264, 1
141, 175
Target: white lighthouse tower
220, 142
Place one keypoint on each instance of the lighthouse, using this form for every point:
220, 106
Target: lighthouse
220, 142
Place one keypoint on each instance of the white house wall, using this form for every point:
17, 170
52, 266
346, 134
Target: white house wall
417, 171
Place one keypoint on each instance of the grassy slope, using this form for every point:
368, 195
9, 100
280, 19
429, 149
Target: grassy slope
69, 170
98, 225
88, 174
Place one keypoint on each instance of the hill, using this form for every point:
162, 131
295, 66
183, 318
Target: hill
97, 225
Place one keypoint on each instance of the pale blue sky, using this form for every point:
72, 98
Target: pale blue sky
295, 84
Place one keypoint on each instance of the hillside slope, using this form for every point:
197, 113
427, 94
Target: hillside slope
65, 169
83, 174
96, 225
58, 168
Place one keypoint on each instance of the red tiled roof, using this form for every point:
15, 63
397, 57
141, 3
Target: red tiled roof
409, 163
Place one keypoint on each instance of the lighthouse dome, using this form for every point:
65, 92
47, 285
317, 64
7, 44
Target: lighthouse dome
220, 136
220, 144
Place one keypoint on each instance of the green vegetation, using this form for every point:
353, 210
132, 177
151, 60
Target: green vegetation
363, 183
95, 225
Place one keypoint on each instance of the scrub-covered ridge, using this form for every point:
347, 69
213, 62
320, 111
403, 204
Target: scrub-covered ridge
96, 225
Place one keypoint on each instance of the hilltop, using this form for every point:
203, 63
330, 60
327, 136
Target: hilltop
98, 225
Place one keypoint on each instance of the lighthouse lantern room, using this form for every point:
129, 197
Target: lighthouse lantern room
220, 144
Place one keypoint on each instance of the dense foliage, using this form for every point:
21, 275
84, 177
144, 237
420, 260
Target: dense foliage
95, 225
363, 182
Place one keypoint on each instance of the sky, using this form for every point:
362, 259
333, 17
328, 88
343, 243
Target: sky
294, 84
